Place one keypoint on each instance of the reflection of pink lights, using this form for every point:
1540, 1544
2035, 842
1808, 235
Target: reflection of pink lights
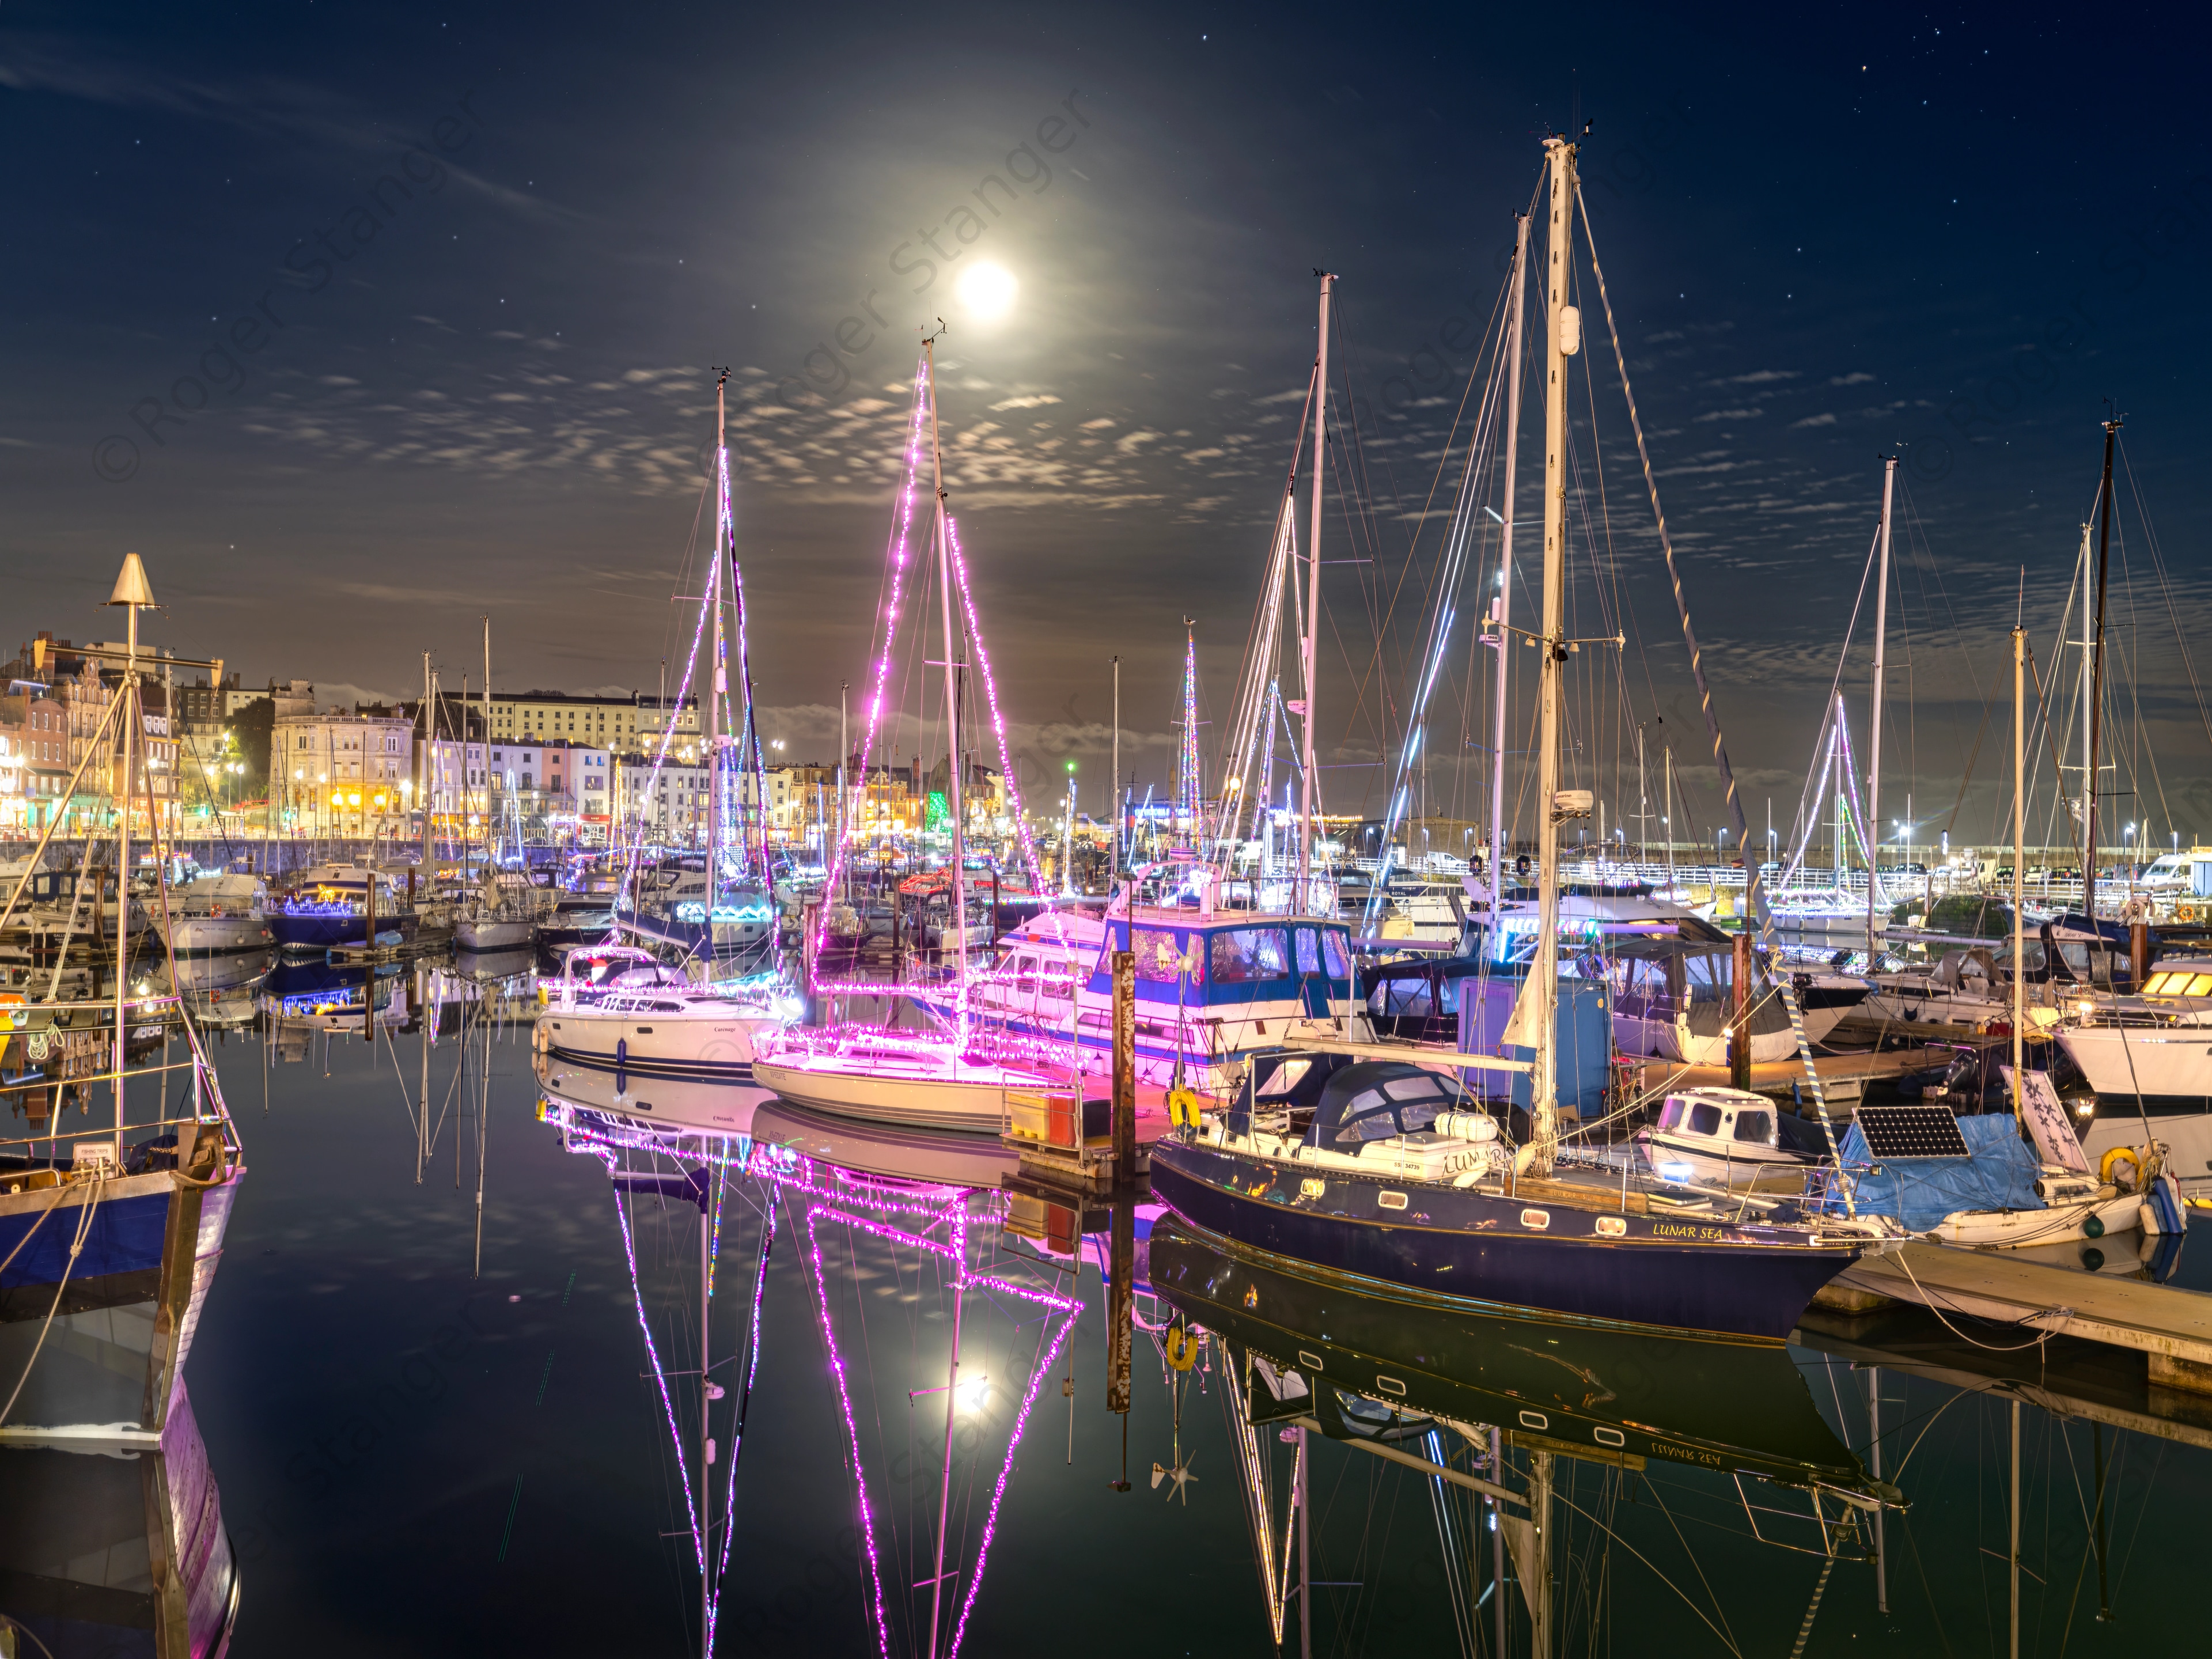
1045, 1365
779, 1167
660, 1375
852, 1438
956, 1254
752, 1369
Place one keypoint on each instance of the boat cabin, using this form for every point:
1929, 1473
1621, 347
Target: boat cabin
1709, 1132
1231, 962
1663, 980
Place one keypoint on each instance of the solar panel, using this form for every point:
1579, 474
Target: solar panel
1895, 1131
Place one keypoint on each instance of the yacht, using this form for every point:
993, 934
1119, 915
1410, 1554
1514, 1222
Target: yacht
502, 913
216, 913
617, 1011
2147, 1057
677, 904
341, 904
1212, 986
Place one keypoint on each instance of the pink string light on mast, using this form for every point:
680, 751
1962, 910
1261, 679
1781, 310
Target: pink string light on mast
880, 669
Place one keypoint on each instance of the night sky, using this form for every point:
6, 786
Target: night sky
342, 420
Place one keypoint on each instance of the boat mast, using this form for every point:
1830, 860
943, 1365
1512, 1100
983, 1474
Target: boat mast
1543, 1079
2089, 695
132, 591
2018, 863
1114, 783
1873, 741
2097, 680
429, 765
1308, 647
715, 736
487, 742
1503, 604
958, 919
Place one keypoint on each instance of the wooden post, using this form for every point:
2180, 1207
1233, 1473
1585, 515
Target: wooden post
1120, 1305
1739, 1027
1125, 1068
2139, 951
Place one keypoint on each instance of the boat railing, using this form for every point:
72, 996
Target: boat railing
205, 1108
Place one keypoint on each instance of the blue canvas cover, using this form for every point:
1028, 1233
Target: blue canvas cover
1998, 1174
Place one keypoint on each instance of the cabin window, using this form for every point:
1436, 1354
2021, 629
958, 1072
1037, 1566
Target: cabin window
1309, 953
1251, 953
1286, 1076
1704, 1118
2178, 985
1025, 977
1753, 1127
1334, 953
1158, 958
1376, 1125
1408, 1088
1671, 1117
1058, 985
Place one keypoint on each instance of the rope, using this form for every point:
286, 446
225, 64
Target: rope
2041, 1313
1820, 1589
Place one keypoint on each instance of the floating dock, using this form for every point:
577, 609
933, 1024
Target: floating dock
2173, 1327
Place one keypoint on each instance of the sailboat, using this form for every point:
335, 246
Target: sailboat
1225, 967
640, 1024
1393, 1174
959, 1076
109, 1235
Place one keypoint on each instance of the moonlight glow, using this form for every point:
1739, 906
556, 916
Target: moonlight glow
987, 290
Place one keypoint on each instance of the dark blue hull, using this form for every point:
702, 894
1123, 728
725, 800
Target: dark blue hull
316, 935
124, 1238
1527, 1253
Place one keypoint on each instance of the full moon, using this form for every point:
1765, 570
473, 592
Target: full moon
987, 290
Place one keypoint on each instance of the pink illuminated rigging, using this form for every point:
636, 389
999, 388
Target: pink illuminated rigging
881, 668
879, 671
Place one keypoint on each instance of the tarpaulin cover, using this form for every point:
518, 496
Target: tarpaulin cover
1999, 1174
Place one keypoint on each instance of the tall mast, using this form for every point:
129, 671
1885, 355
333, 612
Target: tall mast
1114, 790
1309, 654
959, 917
132, 591
715, 736
1503, 602
428, 768
487, 739
1189, 791
2018, 863
2089, 646
1873, 741
1543, 1079
2097, 680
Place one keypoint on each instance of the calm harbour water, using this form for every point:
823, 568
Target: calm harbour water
417, 1457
